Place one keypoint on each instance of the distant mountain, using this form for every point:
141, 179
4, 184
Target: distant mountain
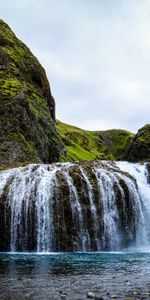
27, 108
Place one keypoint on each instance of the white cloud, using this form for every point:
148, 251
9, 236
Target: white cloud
129, 89
96, 54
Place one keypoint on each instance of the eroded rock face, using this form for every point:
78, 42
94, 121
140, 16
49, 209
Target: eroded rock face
139, 149
27, 108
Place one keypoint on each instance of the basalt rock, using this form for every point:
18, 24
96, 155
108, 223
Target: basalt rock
27, 108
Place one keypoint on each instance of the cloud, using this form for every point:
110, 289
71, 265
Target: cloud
96, 54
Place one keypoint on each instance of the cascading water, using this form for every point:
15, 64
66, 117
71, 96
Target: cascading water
76, 211
142, 194
89, 206
106, 182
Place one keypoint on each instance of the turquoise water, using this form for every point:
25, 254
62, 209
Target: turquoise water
72, 275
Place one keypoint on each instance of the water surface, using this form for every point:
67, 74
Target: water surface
124, 275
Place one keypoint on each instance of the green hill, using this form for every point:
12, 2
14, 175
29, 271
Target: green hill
27, 118
90, 145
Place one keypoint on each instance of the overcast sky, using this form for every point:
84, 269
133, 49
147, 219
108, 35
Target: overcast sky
96, 54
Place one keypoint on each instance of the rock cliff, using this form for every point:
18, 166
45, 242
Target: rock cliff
27, 118
139, 149
27, 108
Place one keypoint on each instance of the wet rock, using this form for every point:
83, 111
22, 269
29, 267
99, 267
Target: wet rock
134, 293
63, 296
94, 296
91, 295
98, 297
62, 292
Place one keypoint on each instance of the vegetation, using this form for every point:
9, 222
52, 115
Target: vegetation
27, 108
139, 149
91, 145
27, 118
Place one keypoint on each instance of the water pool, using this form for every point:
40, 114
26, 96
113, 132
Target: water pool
113, 275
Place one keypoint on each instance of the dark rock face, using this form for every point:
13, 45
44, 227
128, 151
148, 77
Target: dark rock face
27, 108
139, 149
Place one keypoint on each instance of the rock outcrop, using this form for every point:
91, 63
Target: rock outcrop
139, 149
27, 108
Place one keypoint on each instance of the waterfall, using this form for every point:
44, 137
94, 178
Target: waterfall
140, 173
92, 205
89, 206
106, 182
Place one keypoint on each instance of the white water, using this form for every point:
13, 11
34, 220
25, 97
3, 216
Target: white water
106, 182
140, 173
120, 216
93, 207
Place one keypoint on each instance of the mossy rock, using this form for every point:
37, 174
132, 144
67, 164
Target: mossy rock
27, 108
139, 149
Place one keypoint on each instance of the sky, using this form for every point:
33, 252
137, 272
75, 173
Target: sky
96, 54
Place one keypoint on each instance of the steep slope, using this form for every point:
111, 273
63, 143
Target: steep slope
27, 108
91, 145
139, 149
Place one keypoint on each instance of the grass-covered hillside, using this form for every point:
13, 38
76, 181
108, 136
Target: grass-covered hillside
91, 145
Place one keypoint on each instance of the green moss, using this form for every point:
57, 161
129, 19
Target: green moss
139, 149
37, 104
18, 137
9, 87
3, 154
26, 105
5, 31
2, 74
120, 140
14, 165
